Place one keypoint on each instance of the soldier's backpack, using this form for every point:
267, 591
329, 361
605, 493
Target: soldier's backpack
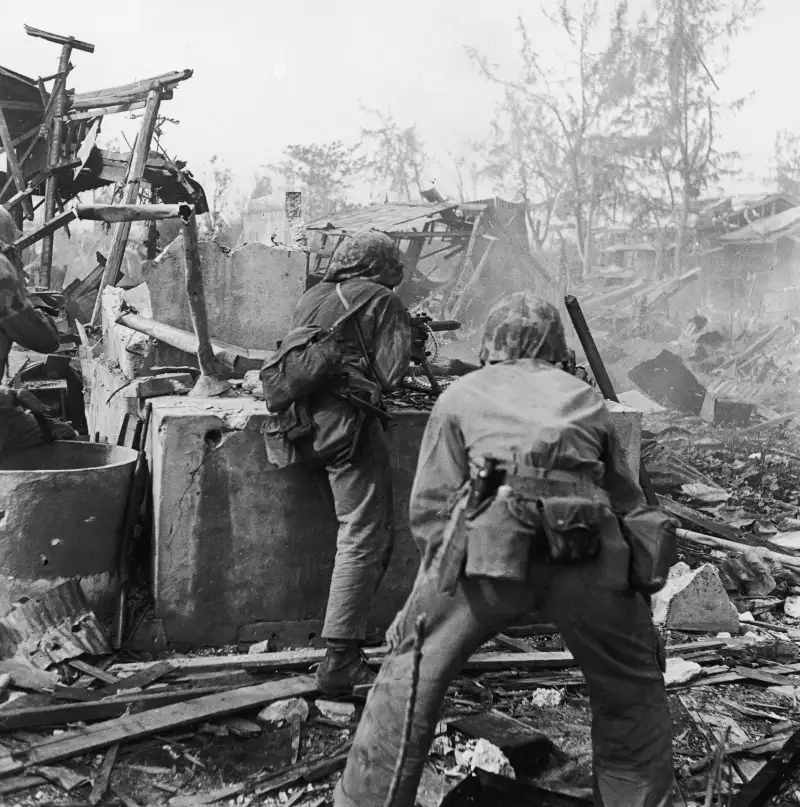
308, 357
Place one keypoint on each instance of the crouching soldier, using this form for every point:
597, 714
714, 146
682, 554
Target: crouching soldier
515, 507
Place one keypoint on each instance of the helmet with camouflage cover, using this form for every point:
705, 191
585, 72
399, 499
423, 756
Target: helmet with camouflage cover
522, 326
371, 254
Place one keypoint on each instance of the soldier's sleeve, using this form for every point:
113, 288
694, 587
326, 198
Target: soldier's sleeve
442, 469
392, 351
623, 490
7, 398
20, 321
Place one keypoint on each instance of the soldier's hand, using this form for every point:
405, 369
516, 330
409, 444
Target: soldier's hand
27, 400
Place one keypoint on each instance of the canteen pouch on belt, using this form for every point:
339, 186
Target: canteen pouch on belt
499, 537
281, 430
571, 528
650, 534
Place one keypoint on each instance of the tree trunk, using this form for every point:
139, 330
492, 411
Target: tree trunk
680, 235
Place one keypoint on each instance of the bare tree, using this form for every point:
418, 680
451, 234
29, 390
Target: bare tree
681, 54
323, 173
393, 156
787, 161
556, 131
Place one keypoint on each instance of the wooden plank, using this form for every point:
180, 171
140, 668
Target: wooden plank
31, 717
47, 228
156, 720
139, 680
766, 677
767, 782
103, 779
697, 519
95, 672
511, 644
302, 659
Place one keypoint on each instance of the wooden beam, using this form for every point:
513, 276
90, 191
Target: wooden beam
154, 721
48, 228
15, 169
288, 660
86, 47
23, 106
768, 781
135, 173
99, 112
121, 213
59, 99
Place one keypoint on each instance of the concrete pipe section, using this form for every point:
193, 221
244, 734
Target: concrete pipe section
61, 508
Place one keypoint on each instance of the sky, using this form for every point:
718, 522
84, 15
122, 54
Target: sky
269, 74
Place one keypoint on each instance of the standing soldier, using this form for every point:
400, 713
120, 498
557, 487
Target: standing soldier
33, 329
514, 506
347, 438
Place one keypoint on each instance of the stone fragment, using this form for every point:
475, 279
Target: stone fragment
695, 600
291, 710
791, 607
5, 681
488, 757
241, 727
336, 711
679, 671
158, 385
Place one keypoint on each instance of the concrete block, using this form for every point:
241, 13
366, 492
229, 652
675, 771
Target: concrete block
251, 292
695, 600
105, 410
238, 540
628, 426
158, 385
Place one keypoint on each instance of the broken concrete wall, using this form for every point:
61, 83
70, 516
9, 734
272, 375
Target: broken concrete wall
238, 540
251, 292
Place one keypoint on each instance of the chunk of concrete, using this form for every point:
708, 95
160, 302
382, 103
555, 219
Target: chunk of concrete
157, 385
695, 601
291, 710
337, 711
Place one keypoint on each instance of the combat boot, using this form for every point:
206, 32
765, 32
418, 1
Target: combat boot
343, 669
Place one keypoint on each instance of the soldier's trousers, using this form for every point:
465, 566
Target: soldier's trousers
362, 499
611, 636
22, 431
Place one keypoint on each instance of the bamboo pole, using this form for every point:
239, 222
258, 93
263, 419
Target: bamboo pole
135, 173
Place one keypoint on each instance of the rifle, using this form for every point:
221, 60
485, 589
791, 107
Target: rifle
422, 326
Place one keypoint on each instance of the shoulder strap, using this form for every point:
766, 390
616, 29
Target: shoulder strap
359, 333
352, 309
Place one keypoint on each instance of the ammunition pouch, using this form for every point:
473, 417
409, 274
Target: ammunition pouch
506, 532
571, 527
650, 534
282, 430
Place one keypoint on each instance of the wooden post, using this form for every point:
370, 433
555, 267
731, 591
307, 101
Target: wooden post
14, 168
53, 159
136, 169
209, 384
68, 43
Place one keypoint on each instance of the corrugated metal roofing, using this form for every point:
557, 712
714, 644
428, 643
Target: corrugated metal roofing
53, 627
766, 230
386, 218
